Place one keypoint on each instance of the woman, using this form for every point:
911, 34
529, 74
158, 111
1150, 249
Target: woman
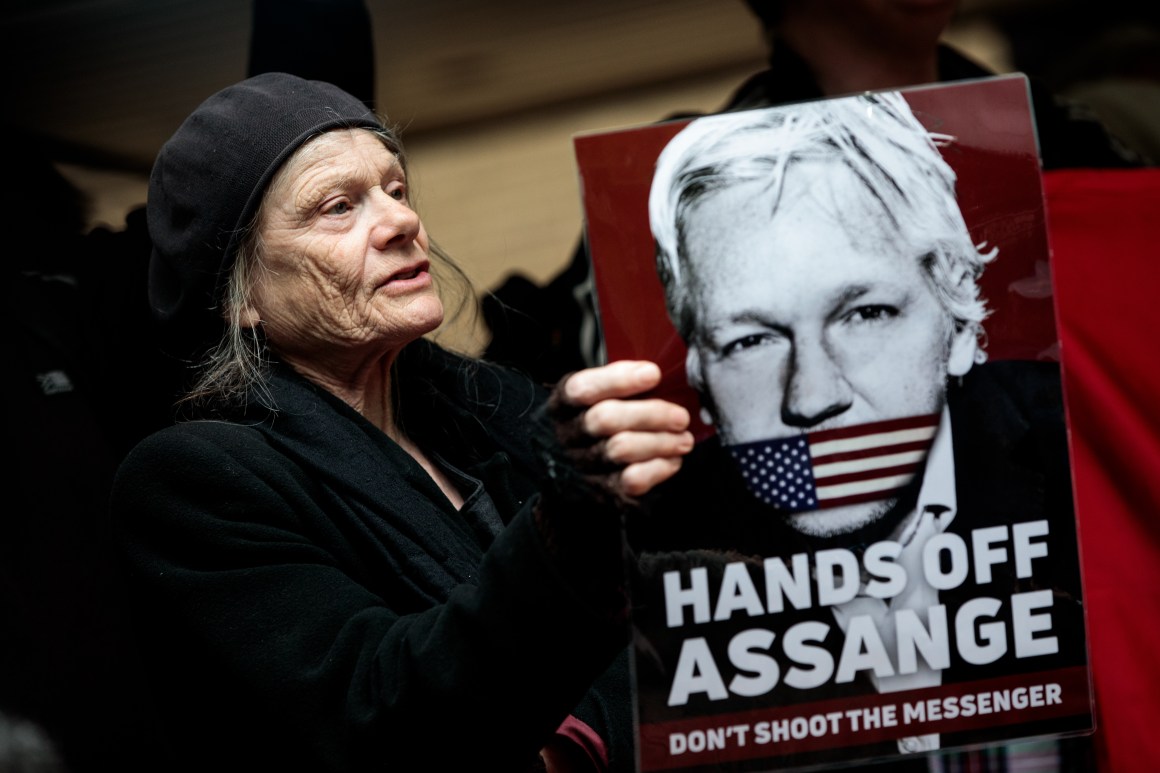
367, 552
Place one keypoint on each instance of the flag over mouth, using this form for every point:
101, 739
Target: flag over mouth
835, 467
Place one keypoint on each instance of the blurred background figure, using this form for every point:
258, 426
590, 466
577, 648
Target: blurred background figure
824, 48
325, 40
26, 748
1105, 60
67, 662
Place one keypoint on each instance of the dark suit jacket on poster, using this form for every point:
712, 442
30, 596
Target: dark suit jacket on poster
1011, 466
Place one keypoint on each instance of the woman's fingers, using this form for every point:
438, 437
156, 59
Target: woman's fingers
632, 447
624, 378
624, 448
634, 461
638, 479
609, 417
627, 442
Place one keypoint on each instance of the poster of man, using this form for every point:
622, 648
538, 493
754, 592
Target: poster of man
872, 549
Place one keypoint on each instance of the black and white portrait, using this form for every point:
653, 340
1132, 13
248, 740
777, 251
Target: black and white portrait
818, 268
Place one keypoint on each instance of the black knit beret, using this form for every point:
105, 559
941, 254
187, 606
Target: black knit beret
209, 179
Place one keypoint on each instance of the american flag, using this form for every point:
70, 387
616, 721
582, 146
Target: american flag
835, 467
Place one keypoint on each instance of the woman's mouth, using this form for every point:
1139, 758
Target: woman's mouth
410, 277
410, 273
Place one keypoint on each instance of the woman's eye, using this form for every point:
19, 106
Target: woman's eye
397, 192
340, 207
743, 343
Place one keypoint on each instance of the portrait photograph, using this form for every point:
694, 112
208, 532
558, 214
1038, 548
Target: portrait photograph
871, 551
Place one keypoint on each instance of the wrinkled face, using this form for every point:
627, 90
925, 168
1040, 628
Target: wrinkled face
817, 318
345, 274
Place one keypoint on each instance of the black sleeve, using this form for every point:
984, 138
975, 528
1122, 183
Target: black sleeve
262, 635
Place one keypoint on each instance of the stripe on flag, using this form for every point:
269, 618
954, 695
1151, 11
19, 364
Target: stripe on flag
836, 467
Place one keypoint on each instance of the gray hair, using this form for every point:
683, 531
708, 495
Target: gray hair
874, 135
234, 371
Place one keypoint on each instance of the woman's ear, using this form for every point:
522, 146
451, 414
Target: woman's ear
964, 347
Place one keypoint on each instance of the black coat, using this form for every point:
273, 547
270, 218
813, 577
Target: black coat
312, 601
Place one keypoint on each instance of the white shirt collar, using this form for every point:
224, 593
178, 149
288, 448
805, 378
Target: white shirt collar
938, 493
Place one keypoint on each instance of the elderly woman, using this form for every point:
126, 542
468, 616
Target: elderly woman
366, 552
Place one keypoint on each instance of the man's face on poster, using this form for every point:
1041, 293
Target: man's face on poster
819, 317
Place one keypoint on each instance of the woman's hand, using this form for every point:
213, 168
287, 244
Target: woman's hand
612, 436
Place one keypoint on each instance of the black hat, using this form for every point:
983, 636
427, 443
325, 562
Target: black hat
209, 179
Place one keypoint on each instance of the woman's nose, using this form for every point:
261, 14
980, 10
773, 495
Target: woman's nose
815, 388
395, 222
